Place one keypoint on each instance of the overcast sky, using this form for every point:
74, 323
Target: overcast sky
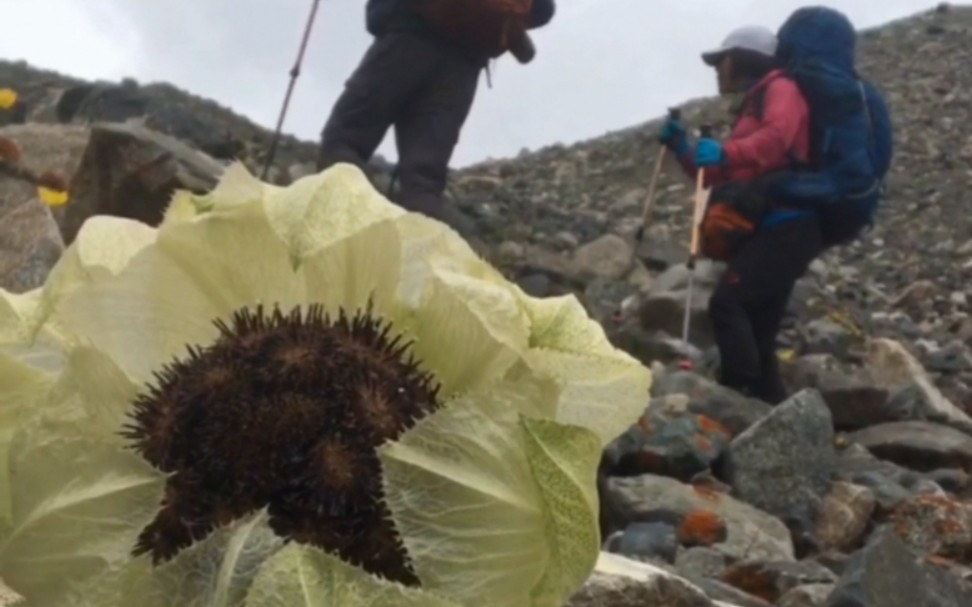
601, 64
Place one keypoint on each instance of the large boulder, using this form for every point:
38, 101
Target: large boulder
104, 102
30, 244
698, 511
664, 307
887, 573
894, 368
130, 171
922, 446
620, 582
30, 241
45, 147
784, 463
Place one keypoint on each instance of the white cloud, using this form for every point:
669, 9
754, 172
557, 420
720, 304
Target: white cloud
601, 64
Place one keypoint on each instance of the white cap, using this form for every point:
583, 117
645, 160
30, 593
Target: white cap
754, 38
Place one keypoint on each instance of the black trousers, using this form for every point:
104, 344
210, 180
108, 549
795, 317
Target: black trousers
750, 301
422, 86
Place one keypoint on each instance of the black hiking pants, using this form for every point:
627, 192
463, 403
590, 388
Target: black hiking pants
750, 301
422, 86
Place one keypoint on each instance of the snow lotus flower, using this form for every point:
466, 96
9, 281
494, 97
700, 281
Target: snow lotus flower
304, 395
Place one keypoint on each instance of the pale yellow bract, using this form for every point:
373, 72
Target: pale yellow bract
494, 495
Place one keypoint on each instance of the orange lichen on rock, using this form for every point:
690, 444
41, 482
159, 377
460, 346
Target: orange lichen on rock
707, 493
9, 151
947, 503
947, 526
935, 525
941, 561
711, 426
702, 442
701, 528
752, 579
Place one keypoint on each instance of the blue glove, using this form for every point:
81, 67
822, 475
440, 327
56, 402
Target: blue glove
709, 152
673, 136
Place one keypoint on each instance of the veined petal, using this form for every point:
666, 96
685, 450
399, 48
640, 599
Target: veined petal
17, 311
468, 324
467, 332
564, 464
182, 207
429, 246
470, 492
78, 507
107, 589
142, 318
234, 256
320, 209
170, 294
532, 394
22, 337
93, 394
598, 393
91, 398
444, 310
236, 187
216, 572
562, 323
605, 389
45, 353
301, 576
103, 247
21, 389
353, 272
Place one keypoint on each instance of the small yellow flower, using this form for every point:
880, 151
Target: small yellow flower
53, 198
52, 189
8, 98
303, 396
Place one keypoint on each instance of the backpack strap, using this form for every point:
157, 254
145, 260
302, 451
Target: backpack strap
879, 183
758, 102
870, 116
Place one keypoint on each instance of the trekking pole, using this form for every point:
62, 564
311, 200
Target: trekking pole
673, 114
701, 198
294, 73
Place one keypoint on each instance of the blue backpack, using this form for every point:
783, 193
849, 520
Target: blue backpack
850, 126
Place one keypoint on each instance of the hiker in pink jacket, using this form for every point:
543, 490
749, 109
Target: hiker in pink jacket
771, 131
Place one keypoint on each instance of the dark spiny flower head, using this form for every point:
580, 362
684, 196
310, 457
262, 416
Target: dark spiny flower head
283, 411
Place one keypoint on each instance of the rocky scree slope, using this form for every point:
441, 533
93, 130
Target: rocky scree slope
855, 492
564, 217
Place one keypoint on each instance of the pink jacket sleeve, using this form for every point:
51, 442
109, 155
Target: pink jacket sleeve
785, 115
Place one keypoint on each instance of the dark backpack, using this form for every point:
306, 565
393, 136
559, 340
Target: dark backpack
487, 27
850, 126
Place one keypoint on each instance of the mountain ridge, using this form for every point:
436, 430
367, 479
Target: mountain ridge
35, 85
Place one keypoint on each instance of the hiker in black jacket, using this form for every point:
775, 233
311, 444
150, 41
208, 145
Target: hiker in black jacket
423, 83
